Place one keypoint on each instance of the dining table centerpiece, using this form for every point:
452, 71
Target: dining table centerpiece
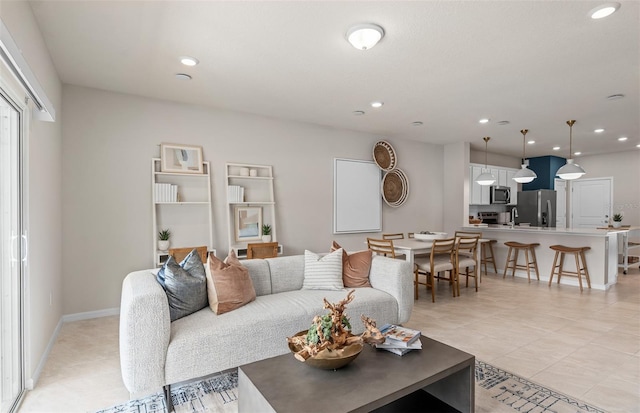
328, 343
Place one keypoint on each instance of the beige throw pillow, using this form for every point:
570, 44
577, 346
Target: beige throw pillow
355, 267
228, 284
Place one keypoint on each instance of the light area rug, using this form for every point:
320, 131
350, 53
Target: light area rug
495, 389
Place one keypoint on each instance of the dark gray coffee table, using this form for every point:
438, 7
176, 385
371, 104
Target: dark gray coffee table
375, 379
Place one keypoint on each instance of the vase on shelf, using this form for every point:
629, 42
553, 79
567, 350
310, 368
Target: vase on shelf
163, 245
266, 238
617, 224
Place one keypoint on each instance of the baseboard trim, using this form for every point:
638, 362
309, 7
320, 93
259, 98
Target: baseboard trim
90, 314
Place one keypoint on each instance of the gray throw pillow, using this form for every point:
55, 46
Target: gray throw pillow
185, 285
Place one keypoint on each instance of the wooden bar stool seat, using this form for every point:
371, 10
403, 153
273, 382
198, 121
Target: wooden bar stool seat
581, 264
530, 258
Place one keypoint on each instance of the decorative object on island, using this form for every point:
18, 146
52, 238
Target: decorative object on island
328, 344
617, 220
395, 188
384, 156
570, 170
163, 239
248, 222
181, 158
524, 175
266, 233
486, 178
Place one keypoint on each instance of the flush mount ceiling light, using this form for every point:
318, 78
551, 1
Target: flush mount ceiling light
570, 170
600, 130
622, 138
189, 61
365, 36
556, 148
484, 120
524, 175
485, 178
604, 10
183, 76
377, 104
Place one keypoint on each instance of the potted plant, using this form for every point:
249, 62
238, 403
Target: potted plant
266, 233
617, 220
163, 239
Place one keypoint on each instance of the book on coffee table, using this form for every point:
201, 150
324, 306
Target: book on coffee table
399, 349
398, 335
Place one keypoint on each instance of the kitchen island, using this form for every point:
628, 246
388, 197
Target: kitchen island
602, 258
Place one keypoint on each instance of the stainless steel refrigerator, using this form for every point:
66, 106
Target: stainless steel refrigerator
537, 208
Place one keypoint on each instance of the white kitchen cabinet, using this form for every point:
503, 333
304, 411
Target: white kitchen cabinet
250, 190
181, 203
479, 193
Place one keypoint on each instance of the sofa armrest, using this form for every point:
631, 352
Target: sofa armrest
145, 328
395, 277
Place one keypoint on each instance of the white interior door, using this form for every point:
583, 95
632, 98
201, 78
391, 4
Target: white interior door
11, 254
560, 186
591, 201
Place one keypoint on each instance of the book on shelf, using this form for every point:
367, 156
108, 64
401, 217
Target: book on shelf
166, 192
398, 335
235, 193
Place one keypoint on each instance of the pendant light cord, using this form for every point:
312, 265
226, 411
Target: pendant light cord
524, 134
486, 144
570, 123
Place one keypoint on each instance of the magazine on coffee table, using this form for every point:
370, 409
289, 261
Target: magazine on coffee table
398, 335
401, 349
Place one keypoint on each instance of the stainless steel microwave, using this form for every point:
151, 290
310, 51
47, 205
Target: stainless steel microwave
500, 194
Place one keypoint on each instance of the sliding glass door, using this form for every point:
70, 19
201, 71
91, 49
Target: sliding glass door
12, 255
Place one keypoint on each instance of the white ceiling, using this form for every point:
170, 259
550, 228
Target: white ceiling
447, 64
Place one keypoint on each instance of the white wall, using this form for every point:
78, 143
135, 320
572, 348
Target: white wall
110, 138
495, 159
43, 306
624, 167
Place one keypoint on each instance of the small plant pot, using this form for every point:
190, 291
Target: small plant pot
266, 238
163, 245
617, 224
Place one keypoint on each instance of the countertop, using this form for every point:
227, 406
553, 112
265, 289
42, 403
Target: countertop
556, 231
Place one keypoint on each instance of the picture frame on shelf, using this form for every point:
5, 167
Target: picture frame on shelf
248, 223
181, 158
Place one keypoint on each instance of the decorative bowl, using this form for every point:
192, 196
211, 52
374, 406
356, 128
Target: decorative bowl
430, 236
328, 359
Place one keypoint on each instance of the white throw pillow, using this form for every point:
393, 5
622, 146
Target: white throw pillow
323, 273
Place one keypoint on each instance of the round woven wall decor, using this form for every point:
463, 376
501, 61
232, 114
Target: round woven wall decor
395, 188
384, 155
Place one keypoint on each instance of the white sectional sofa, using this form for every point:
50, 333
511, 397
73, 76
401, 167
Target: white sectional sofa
155, 353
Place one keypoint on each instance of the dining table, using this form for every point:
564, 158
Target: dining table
411, 247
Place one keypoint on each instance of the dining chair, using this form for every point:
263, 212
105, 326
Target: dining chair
467, 257
381, 247
262, 250
486, 251
179, 254
398, 235
441, 259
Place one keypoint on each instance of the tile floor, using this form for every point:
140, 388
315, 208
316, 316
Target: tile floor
586, 345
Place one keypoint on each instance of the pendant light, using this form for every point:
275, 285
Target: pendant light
485, 178
570, 170
524, 175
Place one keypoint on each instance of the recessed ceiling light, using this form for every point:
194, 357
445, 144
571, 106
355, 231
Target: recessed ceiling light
599, 130
622, 138
416, 123
556, 148
503, 122
364, 36
358, 112
604, 10
577, 153
615, 97
638, 145
531, 142
183, 76
189, 61
376, 104
484, 120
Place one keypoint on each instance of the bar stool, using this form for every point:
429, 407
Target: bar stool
486, 255
529, 263
581, 267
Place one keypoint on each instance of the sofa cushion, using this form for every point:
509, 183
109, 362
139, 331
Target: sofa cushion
287, 273
323, 272
355, 267
185, 285
228, 284
260, 275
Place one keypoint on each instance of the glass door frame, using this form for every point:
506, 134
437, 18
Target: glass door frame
8, 94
